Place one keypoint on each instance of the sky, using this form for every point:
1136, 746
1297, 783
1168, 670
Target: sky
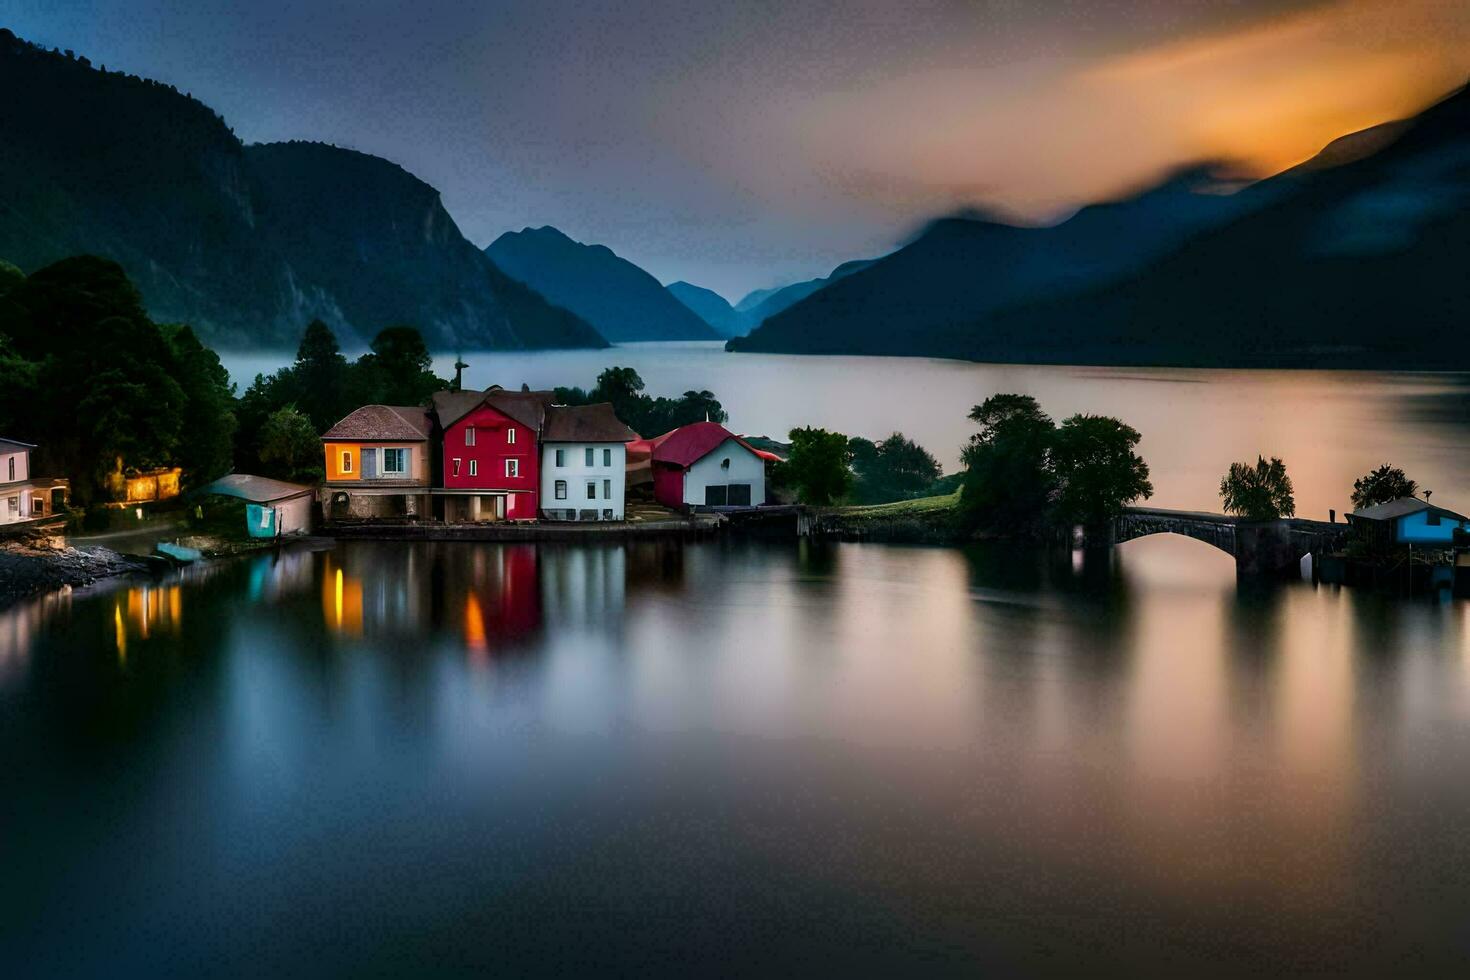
746, 145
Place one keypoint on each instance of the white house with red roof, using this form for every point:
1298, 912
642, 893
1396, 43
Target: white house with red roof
705, 465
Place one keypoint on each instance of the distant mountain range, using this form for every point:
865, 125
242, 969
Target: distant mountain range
618, 298
1357, 258
756, 306
247, 243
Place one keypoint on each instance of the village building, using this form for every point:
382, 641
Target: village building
488, 461
704, 465
1408, 521
584, 463
378, 464
23, 496
273, 508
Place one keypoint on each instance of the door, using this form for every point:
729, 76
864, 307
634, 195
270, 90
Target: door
739, 495
716, 496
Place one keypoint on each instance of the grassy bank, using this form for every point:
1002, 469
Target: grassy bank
926, 520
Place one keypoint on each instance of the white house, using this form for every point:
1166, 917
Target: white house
705, 465
584, 455
23, 498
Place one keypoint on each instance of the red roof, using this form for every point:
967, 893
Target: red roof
688, 444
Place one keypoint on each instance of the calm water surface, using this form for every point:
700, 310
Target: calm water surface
732, 757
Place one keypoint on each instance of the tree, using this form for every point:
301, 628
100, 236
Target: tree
319, 377
1097, 471
397, 371
895, 469
1382, 485
289, 446
817, 466
209, 407
1008, 480
10, 277
1260, 492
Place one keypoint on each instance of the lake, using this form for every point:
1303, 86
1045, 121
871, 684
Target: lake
741, 757
731, 756
1329, 427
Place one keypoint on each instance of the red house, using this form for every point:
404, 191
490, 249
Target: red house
489, 465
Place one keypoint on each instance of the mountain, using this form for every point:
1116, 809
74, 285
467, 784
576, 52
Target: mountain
760, 304
619, 299
1359, 262
246, 243
710, 307
1356, 258
961, 270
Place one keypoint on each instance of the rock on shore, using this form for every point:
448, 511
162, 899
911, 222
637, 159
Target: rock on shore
41, 564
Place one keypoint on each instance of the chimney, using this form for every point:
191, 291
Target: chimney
459, 366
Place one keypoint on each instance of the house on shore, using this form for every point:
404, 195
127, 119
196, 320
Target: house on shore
24, 497
378, 463
273, 508
705, 465
488, 462
1408, 521
584, 463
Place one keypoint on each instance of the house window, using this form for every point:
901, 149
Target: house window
456, 467
561, 457
11, 461
474, 467
606, 489
591, 490
346, 462
607, 457
395, 461
512, 467
589, 456
1432, 519
561, 489
510, 436
13, 504
469, 435
38, 505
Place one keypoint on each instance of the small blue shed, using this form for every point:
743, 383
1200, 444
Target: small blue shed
1409, 520
273, 508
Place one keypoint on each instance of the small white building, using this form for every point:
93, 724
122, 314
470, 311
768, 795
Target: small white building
584, 457
22, 497
705, 465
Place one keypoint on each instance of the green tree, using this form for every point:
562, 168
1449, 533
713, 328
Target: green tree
209, 407
1382, 485
1008, 481
895, 469
1260, 492
397, 371
319, 378
1097, 471
289, 446
817, 466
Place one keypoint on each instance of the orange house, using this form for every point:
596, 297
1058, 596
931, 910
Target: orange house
377, 463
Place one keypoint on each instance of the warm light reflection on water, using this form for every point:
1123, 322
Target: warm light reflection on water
1020, 759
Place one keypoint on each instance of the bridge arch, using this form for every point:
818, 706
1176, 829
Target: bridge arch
1215, 530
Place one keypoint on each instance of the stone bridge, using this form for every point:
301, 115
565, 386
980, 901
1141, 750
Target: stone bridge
1258, 547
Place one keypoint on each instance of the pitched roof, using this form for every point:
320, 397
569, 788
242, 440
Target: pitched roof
1402, 507
526, 407
688, 444
256, 489
585, 423
383, 423
14, 445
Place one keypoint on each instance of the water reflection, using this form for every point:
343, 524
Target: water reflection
1019, 757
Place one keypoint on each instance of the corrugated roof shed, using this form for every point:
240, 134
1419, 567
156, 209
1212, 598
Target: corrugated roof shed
256, 489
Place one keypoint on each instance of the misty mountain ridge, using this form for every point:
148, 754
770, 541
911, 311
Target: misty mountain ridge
622, 301
710, 307
1325, 263
246, 243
